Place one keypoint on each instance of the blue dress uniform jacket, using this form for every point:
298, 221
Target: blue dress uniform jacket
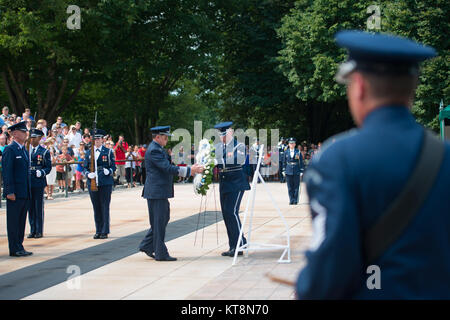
104, 161
350, 183
40, 161
16, 180
293, 165
15, 170
101, 199
230, 161
160, 172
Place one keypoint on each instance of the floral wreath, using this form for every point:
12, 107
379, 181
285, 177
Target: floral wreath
206, 156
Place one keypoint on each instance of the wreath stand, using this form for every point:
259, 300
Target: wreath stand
248, 213
203, 212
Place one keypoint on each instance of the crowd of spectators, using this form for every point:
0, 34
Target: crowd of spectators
67, 145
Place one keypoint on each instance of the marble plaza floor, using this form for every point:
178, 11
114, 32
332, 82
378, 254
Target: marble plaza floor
69, 264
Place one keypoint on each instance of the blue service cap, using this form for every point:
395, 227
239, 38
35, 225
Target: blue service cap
223, 127
380, 53
36, 133
292, 140
165, 130
99, 133
22, 126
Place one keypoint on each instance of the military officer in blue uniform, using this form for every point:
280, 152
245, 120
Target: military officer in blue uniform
230, 156
101, 199
281, 150
16, 188
158, 189
359, 174
292, 167
41, 165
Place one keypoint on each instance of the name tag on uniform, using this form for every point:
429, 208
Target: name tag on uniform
18, 157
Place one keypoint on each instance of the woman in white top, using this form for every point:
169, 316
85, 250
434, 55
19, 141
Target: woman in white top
130, 166
51, 177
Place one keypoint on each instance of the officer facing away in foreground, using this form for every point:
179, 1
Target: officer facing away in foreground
370, 210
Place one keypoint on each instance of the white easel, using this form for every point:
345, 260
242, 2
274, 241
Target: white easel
259, 246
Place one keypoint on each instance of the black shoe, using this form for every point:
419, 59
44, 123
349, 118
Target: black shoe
38, 235
103, 236
168, 258
231, 253
151, 255
21, 253
31, 235
97, 236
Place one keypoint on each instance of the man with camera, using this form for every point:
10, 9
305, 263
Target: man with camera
120, 150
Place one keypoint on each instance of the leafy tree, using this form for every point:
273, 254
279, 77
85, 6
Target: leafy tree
43, 63
310, 57
164, 42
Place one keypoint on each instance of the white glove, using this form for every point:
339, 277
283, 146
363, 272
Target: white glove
38, 173
91, 175
284, 174
105, 171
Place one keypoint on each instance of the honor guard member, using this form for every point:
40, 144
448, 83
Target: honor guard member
101, 198
158, 189
292, 167
379, 194
281, 150
230, 156
16, 188
41, 165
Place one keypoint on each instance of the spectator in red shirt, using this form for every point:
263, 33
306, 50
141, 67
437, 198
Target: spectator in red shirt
120, 149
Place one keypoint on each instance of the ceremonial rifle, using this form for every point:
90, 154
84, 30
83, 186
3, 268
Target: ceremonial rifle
93, 164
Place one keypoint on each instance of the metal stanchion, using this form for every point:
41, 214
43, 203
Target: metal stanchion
67, 175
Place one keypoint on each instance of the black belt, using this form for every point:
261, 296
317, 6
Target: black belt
36, 168
224, 170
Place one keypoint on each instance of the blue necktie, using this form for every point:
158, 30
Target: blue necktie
25, 153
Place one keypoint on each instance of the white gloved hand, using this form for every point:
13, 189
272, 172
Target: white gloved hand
38, 173
91, 175
105, 171
284, 174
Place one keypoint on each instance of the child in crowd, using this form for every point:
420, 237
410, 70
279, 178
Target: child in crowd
61, 168
129, 166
